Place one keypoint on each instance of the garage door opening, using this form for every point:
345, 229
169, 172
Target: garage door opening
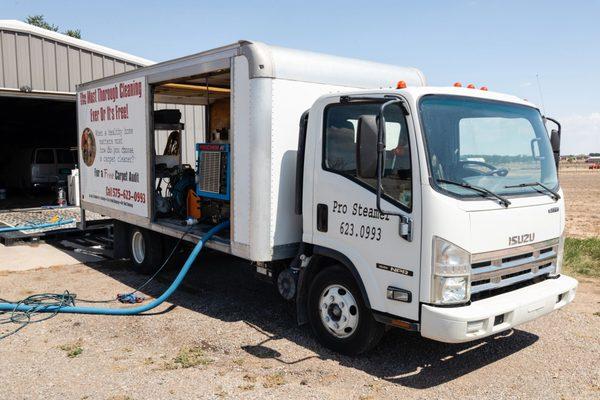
38, 150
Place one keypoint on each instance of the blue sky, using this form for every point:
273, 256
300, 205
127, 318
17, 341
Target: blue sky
500, 44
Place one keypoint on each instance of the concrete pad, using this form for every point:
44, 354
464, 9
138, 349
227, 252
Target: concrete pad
39, 255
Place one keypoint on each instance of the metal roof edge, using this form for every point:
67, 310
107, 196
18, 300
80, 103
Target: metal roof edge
22, 27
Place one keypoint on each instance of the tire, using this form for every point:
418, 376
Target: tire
334, 298
146, 250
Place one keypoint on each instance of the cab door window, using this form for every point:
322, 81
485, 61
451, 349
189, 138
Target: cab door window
339, 155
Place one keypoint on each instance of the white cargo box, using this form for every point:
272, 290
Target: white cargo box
268, 90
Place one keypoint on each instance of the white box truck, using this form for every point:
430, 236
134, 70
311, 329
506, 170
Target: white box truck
367, 197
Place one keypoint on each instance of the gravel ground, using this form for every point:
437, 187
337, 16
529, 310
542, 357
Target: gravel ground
226, 335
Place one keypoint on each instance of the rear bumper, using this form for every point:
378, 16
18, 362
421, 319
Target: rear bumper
498, 313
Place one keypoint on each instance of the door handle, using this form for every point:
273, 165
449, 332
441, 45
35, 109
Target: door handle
322, 217
406, 228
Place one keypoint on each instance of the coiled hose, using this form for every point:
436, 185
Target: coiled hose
72, 309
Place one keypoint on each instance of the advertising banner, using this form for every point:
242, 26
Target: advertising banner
113, 146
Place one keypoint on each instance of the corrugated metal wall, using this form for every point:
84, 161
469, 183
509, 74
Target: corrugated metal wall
49, 65
193, 118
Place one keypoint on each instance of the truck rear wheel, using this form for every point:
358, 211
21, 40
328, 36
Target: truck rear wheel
338, 315
146, 250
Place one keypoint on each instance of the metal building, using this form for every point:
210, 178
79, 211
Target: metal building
39, 70
41, 63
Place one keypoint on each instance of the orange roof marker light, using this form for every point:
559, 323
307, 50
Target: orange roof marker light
484, 88
457, 84
401, 85
470, 86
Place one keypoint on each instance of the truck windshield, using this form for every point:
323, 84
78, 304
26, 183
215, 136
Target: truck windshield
492, 145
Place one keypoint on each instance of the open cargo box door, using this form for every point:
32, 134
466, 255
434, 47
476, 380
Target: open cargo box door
191, 115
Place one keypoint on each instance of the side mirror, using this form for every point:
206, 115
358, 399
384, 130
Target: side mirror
555, 142
366, 149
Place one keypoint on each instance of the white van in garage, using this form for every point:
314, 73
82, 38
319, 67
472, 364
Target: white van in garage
48, 167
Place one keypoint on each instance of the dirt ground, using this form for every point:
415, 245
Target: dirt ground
581, 188
226, 336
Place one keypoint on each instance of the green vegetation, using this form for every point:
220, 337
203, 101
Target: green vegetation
72, 349
274, 380
76, 33
40, 22
190, 357
582, 256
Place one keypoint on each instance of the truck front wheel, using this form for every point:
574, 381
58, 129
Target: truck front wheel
338, 315
145, 248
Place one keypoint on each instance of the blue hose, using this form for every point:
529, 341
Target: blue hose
122, 311
36, 226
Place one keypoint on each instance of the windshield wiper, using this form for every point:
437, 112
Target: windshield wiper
555, 196
479, 189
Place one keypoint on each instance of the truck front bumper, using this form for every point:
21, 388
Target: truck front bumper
498, 313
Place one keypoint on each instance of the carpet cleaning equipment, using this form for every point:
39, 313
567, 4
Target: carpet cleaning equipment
68, 305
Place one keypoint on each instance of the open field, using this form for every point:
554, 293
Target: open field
581, 188
582, 197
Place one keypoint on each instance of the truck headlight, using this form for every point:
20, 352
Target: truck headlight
560, 252
451, 273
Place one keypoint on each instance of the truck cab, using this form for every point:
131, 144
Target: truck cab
437, 210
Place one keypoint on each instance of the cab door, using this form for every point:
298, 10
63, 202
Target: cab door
345, 216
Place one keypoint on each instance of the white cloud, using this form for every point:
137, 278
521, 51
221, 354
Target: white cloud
580, 133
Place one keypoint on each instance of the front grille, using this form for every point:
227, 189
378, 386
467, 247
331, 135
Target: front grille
481, 264
515, 258
509, 267
495, 292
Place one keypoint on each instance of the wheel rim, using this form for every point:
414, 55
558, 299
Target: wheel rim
138, 247
338, 310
